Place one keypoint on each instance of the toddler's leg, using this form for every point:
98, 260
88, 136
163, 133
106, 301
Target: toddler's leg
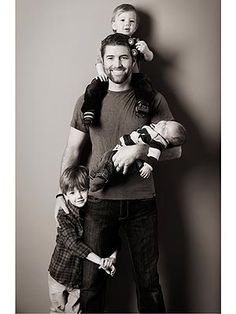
144, 93
91, 108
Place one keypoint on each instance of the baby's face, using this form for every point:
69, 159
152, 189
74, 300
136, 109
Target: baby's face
77, 197
161, 128
125, 23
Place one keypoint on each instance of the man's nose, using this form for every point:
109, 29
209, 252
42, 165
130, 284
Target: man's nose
117, 62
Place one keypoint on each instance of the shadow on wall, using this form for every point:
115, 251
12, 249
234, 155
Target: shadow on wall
174, 245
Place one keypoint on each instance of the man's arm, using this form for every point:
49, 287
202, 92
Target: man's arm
171, 153
126, 155
72, 153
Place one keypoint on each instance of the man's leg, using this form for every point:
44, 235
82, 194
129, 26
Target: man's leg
100, 233
141, 230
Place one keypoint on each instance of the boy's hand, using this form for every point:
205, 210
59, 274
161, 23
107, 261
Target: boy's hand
102, 77
110, 271
60, 203
142, 46
107, 265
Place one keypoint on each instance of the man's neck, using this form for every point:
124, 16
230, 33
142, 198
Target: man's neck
114, 87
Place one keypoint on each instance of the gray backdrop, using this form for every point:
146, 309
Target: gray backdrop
57, 42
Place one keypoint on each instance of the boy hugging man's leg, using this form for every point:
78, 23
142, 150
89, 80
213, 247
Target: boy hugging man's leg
65, 269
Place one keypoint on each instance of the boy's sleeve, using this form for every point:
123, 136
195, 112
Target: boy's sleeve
70, 238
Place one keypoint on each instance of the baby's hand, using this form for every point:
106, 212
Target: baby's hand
142, 46
145, 171
102, 77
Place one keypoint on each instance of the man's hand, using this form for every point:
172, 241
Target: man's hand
127, 155
60, 203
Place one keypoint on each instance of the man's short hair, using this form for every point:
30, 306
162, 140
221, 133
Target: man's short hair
116, 39
74, 177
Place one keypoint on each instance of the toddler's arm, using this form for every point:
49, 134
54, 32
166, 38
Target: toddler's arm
142, 46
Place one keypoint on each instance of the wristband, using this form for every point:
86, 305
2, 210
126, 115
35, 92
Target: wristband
60, 194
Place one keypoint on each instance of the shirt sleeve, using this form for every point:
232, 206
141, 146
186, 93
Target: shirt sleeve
77, 118
70, 238
161, 110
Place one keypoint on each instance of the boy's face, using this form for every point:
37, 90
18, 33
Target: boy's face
77, 197
125, 23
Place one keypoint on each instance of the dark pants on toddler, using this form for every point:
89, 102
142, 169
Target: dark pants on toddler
138, 218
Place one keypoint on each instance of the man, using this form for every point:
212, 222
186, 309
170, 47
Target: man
128, 200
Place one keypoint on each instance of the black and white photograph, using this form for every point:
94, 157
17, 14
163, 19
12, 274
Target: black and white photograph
118, 156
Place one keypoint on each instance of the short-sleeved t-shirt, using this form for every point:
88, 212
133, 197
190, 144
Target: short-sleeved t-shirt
118, 117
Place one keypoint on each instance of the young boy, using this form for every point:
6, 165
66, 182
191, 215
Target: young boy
125, 21
65, 272
157, 136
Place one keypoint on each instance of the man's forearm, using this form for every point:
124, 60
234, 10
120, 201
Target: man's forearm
171, 153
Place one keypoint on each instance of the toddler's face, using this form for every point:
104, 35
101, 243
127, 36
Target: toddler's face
77, 197
125, 23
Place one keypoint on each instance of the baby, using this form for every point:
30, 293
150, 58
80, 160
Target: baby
157, 135
124, 20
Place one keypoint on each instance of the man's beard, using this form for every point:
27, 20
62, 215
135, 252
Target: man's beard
118, 79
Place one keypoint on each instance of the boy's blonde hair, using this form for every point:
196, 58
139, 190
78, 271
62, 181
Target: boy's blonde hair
124, 8
74, 177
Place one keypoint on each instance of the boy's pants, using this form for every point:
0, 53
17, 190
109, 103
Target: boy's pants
63, 299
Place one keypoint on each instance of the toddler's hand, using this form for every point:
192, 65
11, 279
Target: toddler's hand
102, 77
141, 46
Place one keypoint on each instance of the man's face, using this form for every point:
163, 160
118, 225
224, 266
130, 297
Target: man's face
118, 63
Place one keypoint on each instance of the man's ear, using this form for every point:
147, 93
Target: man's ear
113, 25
